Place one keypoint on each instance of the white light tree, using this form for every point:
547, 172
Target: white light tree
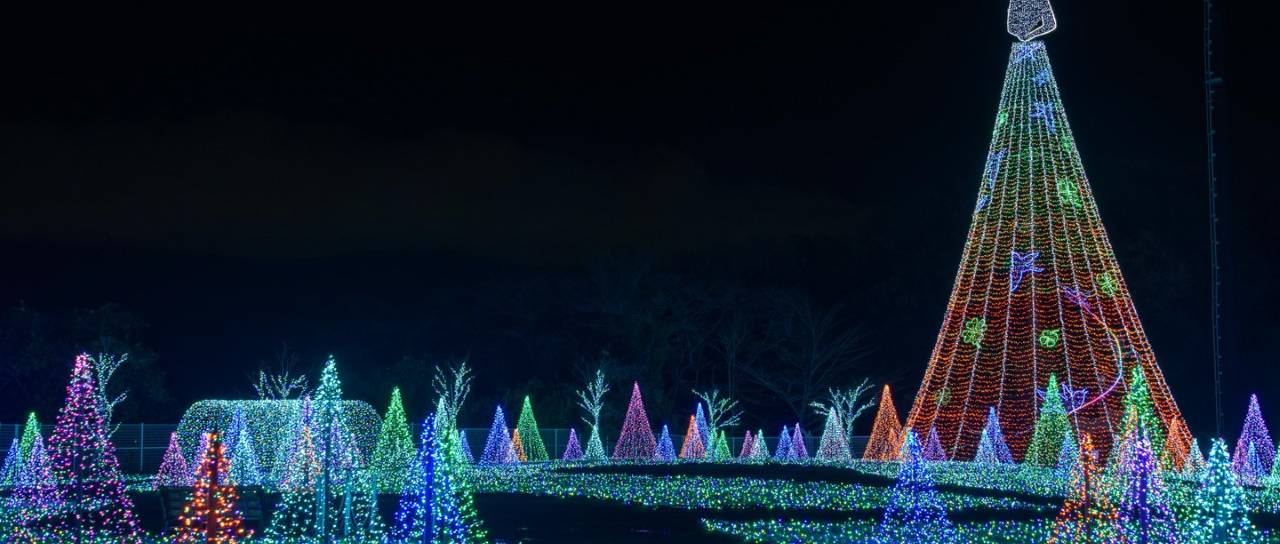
452, 388
847, 404
281, 385
591, 400
722, 412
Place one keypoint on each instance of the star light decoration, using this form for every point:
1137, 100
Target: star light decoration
1030, 19
1072, 399
1021, 264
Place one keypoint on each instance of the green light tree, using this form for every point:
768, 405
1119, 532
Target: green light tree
531, 437
1140, 413
1046, 439
394, 452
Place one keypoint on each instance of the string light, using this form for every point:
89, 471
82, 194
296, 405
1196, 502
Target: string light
1087, 516
517, 447
1011, 323
745, 452
244, 462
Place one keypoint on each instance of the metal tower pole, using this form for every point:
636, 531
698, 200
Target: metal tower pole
1211, 82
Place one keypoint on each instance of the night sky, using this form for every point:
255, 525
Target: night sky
239, 187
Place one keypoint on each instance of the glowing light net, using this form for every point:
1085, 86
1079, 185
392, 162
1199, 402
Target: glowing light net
1038, 290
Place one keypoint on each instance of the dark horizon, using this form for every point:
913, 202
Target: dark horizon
457, 189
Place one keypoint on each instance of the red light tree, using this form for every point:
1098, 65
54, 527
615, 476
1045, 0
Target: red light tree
1038, 292
210, 514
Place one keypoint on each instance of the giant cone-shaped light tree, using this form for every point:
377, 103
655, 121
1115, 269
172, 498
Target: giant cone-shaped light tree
1039, 290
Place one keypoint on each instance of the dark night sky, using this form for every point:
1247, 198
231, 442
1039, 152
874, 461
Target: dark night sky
237, 187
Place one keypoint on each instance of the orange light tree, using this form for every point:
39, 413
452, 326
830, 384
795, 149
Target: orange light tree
210, 514
885, 442
1038, 292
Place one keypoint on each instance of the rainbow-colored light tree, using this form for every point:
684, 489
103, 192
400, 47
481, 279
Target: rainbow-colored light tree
1038, 290
92, 504
636, 441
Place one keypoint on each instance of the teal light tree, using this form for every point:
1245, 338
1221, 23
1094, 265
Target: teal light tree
1221, 513
1039, 290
